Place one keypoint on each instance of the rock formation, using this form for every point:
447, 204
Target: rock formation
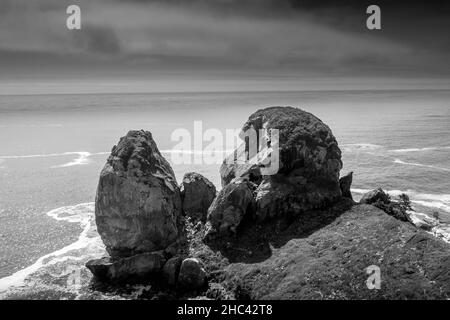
377, 195
197, 194
138, 204
134, 268
308, 174
296, 234
382, 200
345, 184
232, 204
192, 276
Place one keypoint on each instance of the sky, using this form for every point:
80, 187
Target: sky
222, 45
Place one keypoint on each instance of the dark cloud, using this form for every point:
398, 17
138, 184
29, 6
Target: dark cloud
282, 38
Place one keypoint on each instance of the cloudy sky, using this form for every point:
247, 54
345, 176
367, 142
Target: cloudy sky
197, 45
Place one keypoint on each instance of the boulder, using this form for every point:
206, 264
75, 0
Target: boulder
197, 194
308, 168
192, 276
134, 268
138, 204
231, 205
171, 270
377, 195
230, 170
345, 183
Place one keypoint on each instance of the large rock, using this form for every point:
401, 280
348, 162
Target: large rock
192, 275
231, 205
197, 194
309, 163
134, 268
138, 204
345, 184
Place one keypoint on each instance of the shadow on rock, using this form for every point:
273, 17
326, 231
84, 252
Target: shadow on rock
254, 242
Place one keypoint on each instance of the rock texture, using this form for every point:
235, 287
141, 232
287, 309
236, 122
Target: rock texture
197, 194
234, 202
138, 204
331, 262
171, 270
345, 184
192, 275
309, 166
377, 195
134, 268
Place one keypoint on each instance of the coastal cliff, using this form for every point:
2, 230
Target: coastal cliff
296, 234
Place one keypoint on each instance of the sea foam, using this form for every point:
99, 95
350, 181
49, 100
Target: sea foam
88, 245
83, 157
398, 161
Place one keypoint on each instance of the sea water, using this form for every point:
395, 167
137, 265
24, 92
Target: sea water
52, 149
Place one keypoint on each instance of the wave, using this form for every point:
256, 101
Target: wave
360, 147
420, 149
88, 245
398, 161
82, 159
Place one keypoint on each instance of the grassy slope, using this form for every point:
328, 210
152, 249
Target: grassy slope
325, 256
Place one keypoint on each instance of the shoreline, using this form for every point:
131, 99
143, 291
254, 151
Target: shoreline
89, 244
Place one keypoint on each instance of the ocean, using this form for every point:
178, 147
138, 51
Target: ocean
53, 147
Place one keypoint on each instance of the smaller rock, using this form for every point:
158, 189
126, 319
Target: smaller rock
345, 184
197, 194
100, 267
230, 206
133, 268
375, 196
171, 270
192, 275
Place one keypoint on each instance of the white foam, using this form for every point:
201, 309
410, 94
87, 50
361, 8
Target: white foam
398, 161
82, 214
433, 204
361, 191
420, 149
82, 159
360, 147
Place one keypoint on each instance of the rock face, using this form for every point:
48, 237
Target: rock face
133, 268
309, 166
197, 194
374, 196
231, 205
345, 184
192, 275
138, 204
